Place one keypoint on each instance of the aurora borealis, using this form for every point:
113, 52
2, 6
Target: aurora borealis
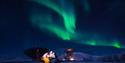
69, 30
98, 27
68, 18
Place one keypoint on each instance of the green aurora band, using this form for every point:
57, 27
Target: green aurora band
69, 17
45, 22
69, 30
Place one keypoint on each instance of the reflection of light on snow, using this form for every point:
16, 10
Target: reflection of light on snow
77, 56
71, 59
63, 59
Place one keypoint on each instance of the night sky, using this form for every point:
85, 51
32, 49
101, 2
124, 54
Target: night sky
105, 17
